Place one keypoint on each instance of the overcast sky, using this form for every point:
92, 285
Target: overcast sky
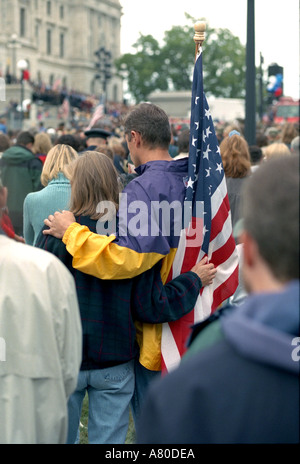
276, 27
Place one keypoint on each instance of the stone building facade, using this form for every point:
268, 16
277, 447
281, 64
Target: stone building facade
58, 39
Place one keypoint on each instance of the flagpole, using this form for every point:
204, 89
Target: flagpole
199, 36
250, 120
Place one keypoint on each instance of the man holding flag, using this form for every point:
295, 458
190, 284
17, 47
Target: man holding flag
238, 383
207, 194
197, 185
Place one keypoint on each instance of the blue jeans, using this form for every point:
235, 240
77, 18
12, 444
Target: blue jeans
110, 391
143, 378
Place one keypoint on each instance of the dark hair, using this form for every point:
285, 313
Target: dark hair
69, 139
152, 123
271, 214
184, 141
262, 140
24, 138
255, 154
4, 142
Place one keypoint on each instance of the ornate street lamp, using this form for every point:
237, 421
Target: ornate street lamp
103, 67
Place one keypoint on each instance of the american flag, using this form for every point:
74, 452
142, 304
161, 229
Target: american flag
210, 218
65, 108
98, 113
56, 85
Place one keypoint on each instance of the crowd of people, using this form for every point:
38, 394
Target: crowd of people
82, 302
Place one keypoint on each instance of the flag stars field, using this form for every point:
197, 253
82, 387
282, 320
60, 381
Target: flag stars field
219, 167
190, 183
208, 172
207, 151
207, 113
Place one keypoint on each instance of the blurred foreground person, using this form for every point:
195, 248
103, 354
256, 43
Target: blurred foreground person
239, 381
40, 344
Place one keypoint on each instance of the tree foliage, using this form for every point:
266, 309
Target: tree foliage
170, 66
142, 69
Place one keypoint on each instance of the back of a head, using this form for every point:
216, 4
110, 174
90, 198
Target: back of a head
289, 132
42, 143
230, 127
271, 214
116, 146
256, 154
69, 139
58, 159
24, 138
184, 141
152, 123
4, 142
276, 149
94, 179
295, 148
106, 151
235, 156
262, 140
272, 133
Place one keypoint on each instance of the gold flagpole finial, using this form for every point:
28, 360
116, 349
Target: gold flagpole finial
199, 36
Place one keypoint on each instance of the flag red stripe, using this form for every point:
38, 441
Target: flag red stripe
181, 330
190, 258
223, 253
220, 218
226, 289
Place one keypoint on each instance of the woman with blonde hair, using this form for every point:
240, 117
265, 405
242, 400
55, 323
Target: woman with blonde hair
109, 309
276, 149
288, 133
42, 145
237, 166
55, 177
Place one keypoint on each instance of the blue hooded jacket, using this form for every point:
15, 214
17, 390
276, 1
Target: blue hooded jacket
238, 384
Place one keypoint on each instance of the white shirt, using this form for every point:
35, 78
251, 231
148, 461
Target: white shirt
40, 344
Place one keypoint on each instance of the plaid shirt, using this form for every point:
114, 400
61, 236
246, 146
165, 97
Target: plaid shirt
109, 308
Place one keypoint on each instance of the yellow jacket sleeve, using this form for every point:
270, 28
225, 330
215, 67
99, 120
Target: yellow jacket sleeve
99, 256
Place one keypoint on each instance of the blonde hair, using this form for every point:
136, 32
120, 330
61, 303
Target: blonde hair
42, 144
289, 132
235, 156
94, 179
58, 159
106, 151
116, 146
276, 149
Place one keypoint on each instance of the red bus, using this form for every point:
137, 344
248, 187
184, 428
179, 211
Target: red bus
286, 110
